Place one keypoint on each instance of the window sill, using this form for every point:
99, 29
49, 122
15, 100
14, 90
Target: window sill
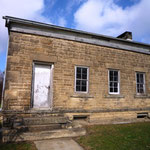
114, 96
82, 95
141, 96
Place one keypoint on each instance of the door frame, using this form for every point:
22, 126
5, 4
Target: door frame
51, 83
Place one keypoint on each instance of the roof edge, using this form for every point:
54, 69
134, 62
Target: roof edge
10, 20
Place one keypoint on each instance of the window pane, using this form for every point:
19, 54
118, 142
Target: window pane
110, 73
84, 76
138, 86
83, 88
78, 76
115, 89
111, 84
83, 82
111, 78
84, 70
115, 85
137, 78
78, 82
141, 86
78, 70
141, 78
141, 91
111, 89
77, 88
116, 78
115, 73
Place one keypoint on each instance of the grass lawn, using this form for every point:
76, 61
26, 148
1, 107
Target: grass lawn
117, 137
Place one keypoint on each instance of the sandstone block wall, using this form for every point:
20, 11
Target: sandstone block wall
24, 49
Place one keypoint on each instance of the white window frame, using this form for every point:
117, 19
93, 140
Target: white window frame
87, 83
144, 88
117, 93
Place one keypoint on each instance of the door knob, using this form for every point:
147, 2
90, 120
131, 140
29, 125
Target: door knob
48, 87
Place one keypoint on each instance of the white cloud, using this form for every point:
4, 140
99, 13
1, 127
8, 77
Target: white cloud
27, 9
62, 21
106, 17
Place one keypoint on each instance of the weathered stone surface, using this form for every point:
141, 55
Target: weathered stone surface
51, 59
11, 94
13, 135
24, 49
45, 120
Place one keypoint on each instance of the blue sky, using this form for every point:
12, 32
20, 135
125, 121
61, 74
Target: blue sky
108, 17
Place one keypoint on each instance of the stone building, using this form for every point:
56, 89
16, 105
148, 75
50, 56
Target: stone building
51, 70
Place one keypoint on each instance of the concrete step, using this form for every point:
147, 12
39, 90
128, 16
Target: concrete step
45, 114
38, 128
45, 120
33, 136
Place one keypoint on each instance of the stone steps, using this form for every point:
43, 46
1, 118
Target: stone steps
37, 124
14, 135
38, 128
45, 120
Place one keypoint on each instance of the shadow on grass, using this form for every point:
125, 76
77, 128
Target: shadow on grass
13, 127
15, 145
18, 146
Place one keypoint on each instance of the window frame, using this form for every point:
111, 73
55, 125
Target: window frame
144, 88
87, 82
114, 93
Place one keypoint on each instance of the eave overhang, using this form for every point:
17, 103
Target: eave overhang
38, 28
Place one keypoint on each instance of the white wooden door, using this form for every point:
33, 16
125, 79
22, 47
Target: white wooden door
41, 92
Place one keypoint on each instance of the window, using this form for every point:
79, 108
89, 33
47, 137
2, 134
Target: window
140, 83
81, 79
114, 82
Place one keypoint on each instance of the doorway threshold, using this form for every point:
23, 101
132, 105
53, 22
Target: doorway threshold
40, 110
